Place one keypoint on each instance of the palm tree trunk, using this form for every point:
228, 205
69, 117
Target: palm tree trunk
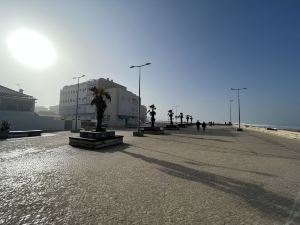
152, 121
99, 123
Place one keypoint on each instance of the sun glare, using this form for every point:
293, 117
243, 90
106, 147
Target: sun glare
31, 48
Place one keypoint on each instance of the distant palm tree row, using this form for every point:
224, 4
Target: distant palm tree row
152, 112
101, 96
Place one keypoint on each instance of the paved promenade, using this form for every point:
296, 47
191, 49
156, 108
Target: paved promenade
185, 177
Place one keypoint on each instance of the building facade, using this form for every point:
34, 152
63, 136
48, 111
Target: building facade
54, 109
18, 109
121, 111
11, 100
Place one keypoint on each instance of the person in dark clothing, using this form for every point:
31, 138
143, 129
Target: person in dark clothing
203, 126
198, 125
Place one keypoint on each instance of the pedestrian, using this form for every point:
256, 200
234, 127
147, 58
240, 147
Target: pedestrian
198, 125
203, 126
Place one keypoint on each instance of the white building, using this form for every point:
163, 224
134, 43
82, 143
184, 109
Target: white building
54, 109
18, 109
40, 108
122, 110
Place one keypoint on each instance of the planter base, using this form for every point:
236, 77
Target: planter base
152, 130
25, 133
172, 127
138, 134
93, 143
95, 140
182, 125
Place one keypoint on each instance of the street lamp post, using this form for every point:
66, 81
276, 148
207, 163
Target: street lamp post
238, 91
76, 115
139, 109
230, 101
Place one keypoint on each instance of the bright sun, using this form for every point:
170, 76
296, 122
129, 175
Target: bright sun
31, 48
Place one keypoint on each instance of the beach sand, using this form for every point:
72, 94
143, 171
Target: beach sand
281, 133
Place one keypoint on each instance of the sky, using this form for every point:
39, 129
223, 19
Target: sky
198, 50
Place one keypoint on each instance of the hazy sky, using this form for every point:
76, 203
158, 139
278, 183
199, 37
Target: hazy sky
198, 50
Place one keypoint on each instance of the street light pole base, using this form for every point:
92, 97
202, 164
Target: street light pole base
138, 134
239, 129
75, 131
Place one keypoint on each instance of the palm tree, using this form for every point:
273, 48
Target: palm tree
100, 98
191, 118
170, 114
187, 119
181, 117
152, 113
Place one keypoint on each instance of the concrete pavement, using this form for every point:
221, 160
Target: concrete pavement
185, 177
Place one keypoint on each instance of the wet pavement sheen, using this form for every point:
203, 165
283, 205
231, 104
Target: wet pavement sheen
217, 177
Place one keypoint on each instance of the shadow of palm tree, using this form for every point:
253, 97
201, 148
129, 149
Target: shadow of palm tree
229, 168
215, 131
197, 163
271, 204
227, 150
200, 138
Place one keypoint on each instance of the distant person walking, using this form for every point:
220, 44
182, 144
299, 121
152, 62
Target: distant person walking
203, 126
198, 125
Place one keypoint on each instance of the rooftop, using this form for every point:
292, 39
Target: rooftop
6, 92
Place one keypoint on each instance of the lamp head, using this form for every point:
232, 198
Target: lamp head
131, 67
147, 64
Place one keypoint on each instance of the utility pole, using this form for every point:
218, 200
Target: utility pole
238, 91
230, 101
139, 109
76, 115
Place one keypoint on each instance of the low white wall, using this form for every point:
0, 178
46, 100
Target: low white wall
30, 121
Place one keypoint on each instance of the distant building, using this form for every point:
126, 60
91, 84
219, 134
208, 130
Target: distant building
11, 100
40, 108
54, 109
18, 109
122, 110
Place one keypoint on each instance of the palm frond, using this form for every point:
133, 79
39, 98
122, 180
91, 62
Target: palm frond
107, 96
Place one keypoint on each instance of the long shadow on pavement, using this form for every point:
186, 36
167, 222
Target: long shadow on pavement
271, 204
197, 163
210, 131
227, 150
194, 162
200, 138
229, 168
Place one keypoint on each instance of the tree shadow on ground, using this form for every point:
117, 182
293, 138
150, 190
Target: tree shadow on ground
229, 168
197, 163
200, 138
210, 131
226, 149
277, 207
